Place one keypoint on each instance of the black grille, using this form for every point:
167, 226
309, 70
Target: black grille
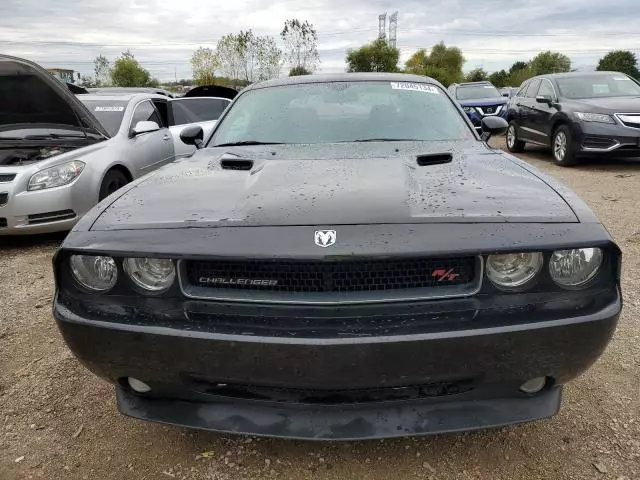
50, 217
337, 396
7, 177
332, 276
3, 222
597, 142
4, 198
631, 120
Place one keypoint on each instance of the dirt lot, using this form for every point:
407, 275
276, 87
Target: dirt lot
57, 421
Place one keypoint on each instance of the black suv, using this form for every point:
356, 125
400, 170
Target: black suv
577, 115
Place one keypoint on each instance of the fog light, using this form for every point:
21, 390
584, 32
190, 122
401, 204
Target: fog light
138, 386
534, 385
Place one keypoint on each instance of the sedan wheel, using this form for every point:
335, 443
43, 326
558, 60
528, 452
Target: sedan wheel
113, 180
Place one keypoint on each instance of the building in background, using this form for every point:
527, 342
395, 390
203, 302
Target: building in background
62, 74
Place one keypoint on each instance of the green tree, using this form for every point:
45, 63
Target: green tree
518, 66
296, 71
519, 72
550, 62
499, 78
204, 63
301, 41
127, 72
476, 75
620, 61
377, 56
102, 71
442, 63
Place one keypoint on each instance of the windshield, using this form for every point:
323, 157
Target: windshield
194, 110
108, 112
598, 86
471, 92
342, 112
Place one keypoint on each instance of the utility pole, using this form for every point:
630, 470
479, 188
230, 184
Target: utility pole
382, 26
393, 27
175, 74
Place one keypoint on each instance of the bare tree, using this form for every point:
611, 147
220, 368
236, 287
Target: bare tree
301, 41
245, 56
102, 71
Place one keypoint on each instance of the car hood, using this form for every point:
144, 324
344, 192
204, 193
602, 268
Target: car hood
337, 184
479, 102
31, 95
607, 105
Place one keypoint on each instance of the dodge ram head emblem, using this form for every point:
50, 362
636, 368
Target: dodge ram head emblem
325, 238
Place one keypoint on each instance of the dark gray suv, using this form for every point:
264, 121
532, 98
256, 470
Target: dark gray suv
577, 115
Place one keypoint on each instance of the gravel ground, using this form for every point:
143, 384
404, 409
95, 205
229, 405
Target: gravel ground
57, 421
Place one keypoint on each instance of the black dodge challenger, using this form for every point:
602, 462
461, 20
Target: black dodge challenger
343, 258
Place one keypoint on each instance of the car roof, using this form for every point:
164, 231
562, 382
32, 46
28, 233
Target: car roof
123, 97
343, 77
482, 82
577, 74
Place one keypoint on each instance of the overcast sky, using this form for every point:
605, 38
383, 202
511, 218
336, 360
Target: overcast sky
162, 34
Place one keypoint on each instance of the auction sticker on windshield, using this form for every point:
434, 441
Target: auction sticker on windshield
109, 109
418, 87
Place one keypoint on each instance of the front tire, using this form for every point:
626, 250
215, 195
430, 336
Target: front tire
562, 147
513, 144
112, 181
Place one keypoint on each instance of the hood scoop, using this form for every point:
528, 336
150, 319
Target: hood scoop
236, 164
434, 159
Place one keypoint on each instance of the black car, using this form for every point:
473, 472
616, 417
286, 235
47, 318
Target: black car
344, 259
578, 115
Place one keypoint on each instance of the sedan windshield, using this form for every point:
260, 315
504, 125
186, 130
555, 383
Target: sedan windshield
342, 112
598, 86
472, 92
108, 112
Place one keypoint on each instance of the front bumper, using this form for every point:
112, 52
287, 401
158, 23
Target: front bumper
42, 211
605, 140
211, 368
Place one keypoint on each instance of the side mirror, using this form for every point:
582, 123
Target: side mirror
144, 127
192, 135
493, 126
544, 99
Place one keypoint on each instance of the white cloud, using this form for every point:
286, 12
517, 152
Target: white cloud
162, 34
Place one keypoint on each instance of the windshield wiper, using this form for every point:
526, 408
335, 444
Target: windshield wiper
246, 142
383, 140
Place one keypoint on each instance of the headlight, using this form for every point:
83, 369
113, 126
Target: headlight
594, 117
574, 268
152, 274
95, 273
468, 109
512, 270
56, 176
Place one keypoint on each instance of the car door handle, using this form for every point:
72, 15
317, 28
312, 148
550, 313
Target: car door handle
167, 137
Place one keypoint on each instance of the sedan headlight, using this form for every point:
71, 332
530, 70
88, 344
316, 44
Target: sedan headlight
575, 268
513, 270
95, 273
56, 176
151, 274
594, 117
468, 109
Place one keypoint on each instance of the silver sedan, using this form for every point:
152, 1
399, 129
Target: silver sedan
60, 154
